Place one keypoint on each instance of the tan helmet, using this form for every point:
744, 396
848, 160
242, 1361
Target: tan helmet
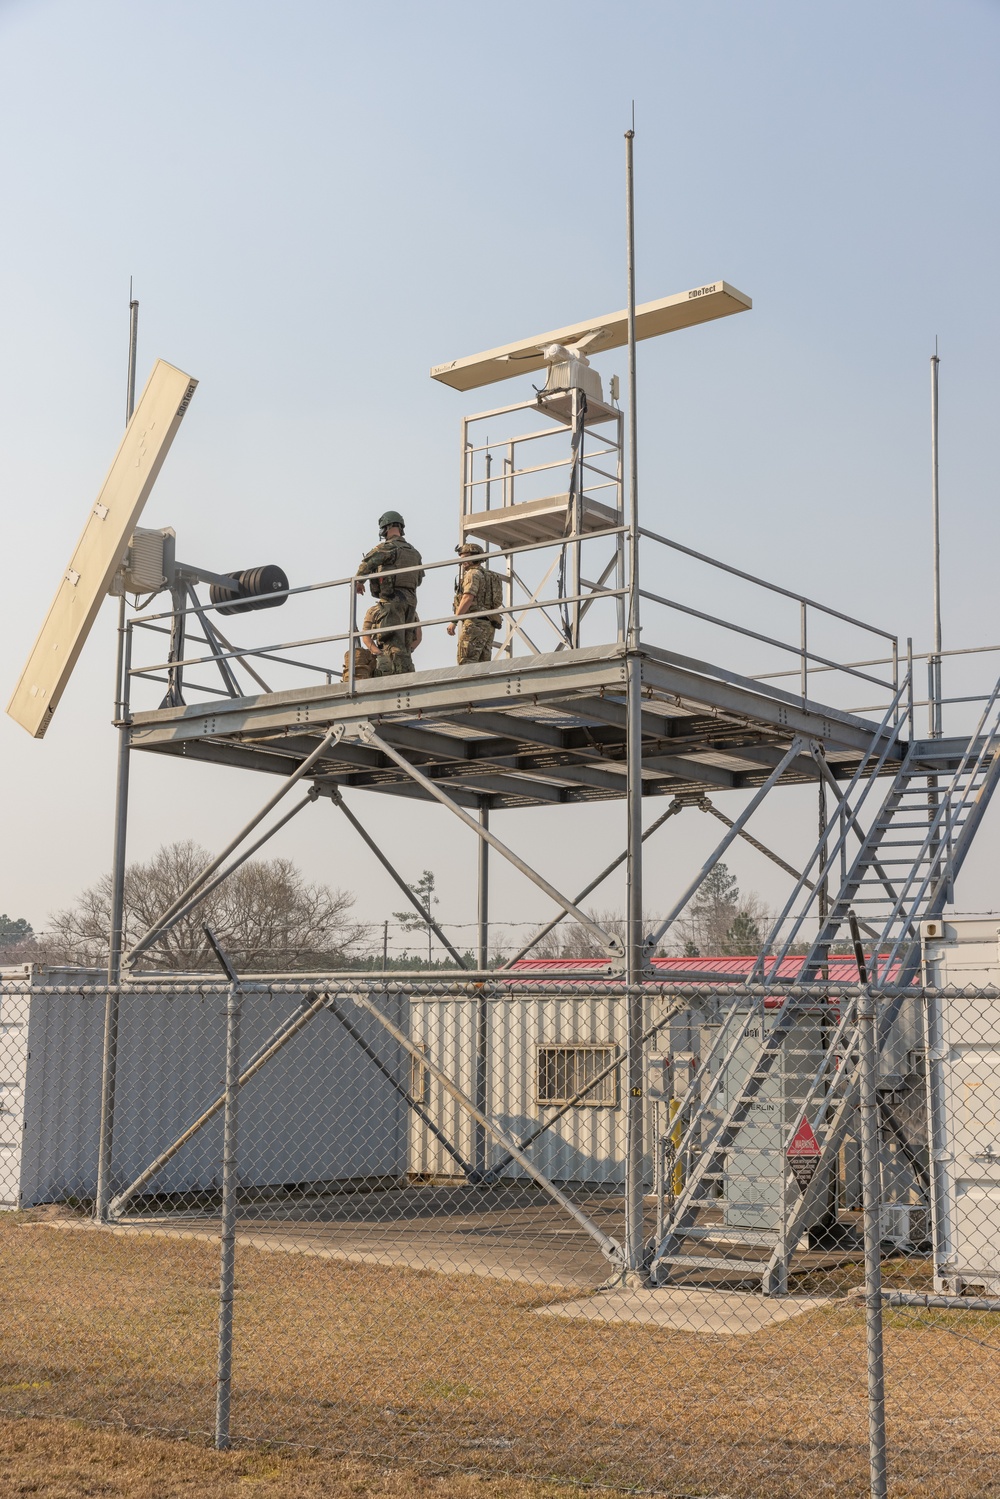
470, 549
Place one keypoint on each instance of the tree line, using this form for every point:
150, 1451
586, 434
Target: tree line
269, 917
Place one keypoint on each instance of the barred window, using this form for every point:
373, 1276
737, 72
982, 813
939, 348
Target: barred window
564, 1071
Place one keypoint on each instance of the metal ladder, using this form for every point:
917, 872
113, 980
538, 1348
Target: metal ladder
896, 882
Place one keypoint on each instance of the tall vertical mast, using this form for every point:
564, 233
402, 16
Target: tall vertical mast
935, 663
635, 954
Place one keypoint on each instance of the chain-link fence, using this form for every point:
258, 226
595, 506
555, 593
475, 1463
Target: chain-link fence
426, 1201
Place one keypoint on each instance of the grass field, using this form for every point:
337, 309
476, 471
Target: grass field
65, 1460
425, 1375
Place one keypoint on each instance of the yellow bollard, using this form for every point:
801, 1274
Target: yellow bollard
677, 1175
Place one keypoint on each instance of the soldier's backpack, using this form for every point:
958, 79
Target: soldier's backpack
493, 597
408, 557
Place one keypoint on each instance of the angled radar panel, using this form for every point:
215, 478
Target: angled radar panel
100, 550
700, 305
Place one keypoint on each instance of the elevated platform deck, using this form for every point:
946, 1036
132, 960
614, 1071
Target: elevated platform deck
531, 731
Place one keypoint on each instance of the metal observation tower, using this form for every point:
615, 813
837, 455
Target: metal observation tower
587, 699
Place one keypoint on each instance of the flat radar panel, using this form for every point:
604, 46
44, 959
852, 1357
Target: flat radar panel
700, 305
101, 548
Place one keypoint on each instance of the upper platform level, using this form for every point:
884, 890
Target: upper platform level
532, 731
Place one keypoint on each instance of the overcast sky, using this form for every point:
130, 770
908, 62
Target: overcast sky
318, 201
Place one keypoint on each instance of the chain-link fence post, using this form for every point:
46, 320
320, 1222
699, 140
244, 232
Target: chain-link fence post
871, 1191
227, 1275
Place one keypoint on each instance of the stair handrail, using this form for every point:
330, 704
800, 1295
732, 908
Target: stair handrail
760, 973
693, 1093
941, 860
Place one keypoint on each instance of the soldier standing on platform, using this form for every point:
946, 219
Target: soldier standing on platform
396, 593
477, 589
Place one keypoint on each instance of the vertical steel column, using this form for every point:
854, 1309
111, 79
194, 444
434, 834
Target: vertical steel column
227, 1263
934, 664
635, 956
823, 892
109, 1059
482, 1004
620, 539
508, 587
871, 1197
576, 514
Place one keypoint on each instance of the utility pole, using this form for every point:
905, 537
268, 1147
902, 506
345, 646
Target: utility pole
116, 934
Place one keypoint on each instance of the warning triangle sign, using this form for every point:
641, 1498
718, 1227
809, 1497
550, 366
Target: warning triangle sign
803, 1155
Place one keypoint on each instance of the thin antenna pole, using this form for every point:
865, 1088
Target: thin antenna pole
133, 340
633, 471
935, 662
635, 950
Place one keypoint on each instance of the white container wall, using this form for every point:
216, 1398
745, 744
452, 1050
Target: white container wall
963, 1078
537, 1053
318, 1111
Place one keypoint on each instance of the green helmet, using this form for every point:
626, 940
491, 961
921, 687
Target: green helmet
390, 518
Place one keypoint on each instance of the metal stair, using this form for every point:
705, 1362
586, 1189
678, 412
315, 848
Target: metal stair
903, 873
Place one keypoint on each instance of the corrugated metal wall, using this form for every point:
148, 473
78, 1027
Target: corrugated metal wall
318, 1111
587, 1145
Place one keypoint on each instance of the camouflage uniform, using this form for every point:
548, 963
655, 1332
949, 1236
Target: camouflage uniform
392, 653
475, 636
397, 602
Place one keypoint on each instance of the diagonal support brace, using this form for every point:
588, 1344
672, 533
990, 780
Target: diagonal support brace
150, 935
609, 1247
498, 1167
285, 1033
424, 912
407, 1097
734, 831
612, 945
677, 805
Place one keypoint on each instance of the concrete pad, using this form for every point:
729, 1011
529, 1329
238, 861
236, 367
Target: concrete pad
686, 1309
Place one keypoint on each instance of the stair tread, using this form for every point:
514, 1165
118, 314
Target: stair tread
756, 1237
712, 1262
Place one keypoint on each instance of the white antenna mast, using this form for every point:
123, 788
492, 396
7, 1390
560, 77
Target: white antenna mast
934, 683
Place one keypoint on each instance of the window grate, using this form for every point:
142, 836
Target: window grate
564, 1071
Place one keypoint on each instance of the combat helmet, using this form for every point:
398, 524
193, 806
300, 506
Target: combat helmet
390, 518
470, 549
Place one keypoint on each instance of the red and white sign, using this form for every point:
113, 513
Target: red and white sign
803, 1155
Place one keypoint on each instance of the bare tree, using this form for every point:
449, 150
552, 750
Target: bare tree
265, 914
571, 940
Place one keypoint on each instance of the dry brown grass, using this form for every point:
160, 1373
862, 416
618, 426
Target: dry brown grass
413, 1368
64, 1460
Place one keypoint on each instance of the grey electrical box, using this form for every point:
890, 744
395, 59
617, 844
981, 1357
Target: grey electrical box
149, 562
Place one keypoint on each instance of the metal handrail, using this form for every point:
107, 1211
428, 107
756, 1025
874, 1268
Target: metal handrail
964, 650
781, 645
789, 593
499, 551
443, 619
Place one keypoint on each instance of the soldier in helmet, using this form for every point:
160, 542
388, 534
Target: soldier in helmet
477, 589
395, 592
